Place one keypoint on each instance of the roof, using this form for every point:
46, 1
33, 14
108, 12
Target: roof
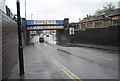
111, 13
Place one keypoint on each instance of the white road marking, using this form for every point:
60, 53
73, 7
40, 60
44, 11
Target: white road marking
104, 57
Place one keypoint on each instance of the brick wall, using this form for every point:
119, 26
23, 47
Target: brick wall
9, 45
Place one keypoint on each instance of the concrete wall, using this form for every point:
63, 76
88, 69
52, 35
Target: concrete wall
9, 45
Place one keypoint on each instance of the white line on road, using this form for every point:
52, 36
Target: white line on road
104, 58
63, 68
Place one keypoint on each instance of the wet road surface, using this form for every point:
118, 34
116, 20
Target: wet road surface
50, 61
85, 63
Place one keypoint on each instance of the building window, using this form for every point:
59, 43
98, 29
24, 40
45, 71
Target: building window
98, 24
116, 22
89, 25
119, 22
83, 25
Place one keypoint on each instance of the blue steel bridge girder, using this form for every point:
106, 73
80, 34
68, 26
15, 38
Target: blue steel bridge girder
44, 27
35, 25
47, 24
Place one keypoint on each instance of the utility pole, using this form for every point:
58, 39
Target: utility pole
25, 10
20, 48
26, 32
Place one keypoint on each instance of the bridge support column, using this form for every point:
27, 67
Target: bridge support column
58, 36
62, 37
66, 22
27, 37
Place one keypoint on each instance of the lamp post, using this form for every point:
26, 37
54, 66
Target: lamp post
26, 32
25, 10
20, 47
31, 16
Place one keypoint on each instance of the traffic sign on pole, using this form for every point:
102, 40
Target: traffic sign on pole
71, 31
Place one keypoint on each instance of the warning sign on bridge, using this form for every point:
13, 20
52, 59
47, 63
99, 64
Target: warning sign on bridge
44, 22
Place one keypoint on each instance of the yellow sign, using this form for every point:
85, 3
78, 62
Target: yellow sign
44, 22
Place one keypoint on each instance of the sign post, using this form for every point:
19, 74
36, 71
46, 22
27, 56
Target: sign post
71, 32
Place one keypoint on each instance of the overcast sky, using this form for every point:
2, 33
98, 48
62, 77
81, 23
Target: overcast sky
59, 9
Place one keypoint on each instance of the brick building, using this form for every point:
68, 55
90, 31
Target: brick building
108, 19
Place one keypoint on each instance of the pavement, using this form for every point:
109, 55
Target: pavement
37, 66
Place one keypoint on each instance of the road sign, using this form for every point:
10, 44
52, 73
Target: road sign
71, 31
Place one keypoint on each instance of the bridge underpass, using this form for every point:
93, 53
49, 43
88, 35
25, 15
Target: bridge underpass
37, 25
83, 62
45, 61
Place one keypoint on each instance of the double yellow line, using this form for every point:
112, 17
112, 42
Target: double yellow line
60, 66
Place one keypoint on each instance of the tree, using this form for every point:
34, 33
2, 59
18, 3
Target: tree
107, 8
89, 16
73, 23
99, 12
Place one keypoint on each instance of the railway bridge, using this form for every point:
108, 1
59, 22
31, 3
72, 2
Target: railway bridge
37, 25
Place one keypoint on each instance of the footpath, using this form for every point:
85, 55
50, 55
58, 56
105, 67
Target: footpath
37, 66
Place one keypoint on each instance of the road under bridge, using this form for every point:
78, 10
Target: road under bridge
37, 25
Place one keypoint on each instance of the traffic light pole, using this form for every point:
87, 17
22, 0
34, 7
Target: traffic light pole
20, 48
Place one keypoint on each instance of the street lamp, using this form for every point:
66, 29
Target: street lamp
20, 47
26, 32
